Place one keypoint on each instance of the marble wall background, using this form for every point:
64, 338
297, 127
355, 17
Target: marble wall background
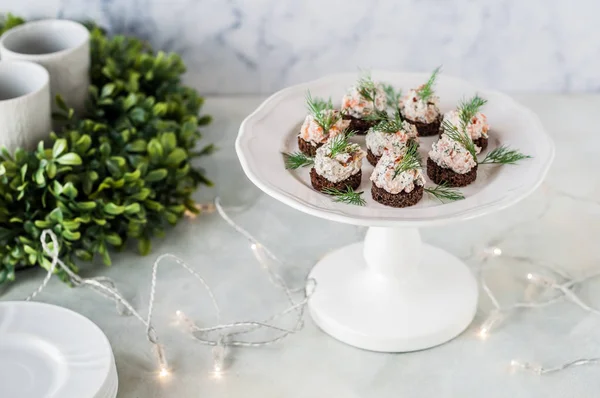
259, 46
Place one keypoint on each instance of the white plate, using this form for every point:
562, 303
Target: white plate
273, 127
49, 351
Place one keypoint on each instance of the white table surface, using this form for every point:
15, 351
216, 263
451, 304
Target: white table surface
559, 224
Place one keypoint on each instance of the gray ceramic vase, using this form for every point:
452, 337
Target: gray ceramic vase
60, 46
25, 116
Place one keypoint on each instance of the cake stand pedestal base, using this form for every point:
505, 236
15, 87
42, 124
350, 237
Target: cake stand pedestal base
392, 293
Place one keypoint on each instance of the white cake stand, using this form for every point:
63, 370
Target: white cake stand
392, 292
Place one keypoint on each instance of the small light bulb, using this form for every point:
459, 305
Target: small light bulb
483, 333
530, 276
497, 251
253, 246
514, 363
164, 372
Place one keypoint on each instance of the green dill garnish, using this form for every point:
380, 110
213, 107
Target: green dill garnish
340, 144
504, 155
323, 112
377, 116
366, 87
444, 193
427, 91
410, 161
392, 95
389, 125
296, 160
348, 196
468, 109
460, 136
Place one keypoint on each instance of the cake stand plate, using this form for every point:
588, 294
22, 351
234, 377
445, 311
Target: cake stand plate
393, 293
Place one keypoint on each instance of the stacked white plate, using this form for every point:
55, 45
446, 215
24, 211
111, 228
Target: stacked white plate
51, 352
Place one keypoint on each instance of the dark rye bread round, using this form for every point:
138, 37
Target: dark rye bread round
319, 182
307, 147
440, 175
359, 125
481, 142
427, 129
402, 199
372, 158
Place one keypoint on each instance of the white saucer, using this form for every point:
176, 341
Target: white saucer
49, 351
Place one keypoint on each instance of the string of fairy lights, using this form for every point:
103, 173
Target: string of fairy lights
224, 336
221, 336
554, 289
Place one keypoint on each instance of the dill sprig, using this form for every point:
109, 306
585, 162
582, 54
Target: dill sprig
349, 196
444, 193
322, 111
427, 91
504, 155
461, 136
410, 161
392, 95
366, 87
376, 116
389, 125
339, 144
296, 160
468, 109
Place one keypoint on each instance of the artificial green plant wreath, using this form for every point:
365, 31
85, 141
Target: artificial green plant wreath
123, 171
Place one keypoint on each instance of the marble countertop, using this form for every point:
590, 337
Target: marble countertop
558, 225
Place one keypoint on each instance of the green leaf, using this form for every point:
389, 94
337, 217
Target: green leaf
138, 145
56, 215
168, 141
71, 159
71, 225
113, 209
42, 224
155, 150
130, 101
85, 206
106, 258
57, 187
100, 221
59, 147
60, 102
176, 157
138, 115
83, 254
132, 208
70, 190
153, 205
51, 170
114, 239
204, 120
144, 246
108, 90
83, 144
105, 149
29, 250
71, 235
39, 176
128, 177
156, 175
